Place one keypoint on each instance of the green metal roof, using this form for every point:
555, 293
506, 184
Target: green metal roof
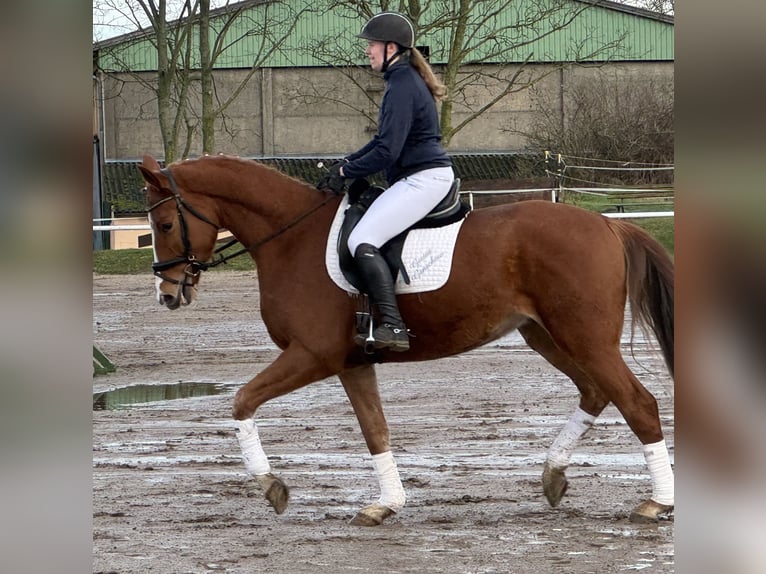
647, 36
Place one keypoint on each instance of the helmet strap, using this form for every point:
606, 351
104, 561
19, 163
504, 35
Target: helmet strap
387, 61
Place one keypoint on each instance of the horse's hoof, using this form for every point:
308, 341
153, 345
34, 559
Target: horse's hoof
372, 515
276, 492
554, 484
650, 512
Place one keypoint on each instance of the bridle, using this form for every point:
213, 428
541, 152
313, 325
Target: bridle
193, 265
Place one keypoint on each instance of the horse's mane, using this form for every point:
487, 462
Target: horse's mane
247, 163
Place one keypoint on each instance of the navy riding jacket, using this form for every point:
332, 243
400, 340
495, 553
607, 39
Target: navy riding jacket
408, 138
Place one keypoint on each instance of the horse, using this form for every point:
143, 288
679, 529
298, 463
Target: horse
557, 273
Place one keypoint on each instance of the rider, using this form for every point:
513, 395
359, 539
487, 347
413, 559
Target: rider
408, 147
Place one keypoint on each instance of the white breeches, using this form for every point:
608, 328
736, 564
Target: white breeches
403, 204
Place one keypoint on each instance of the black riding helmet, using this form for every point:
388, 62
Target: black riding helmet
390, 27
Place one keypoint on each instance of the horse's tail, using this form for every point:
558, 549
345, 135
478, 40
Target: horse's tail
650, 279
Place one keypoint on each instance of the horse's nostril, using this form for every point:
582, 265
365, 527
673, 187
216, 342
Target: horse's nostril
170, 301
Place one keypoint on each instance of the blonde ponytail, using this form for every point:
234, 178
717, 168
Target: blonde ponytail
437, 89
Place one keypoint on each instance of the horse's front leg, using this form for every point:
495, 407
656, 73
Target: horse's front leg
361, 386
294, 368
256, 463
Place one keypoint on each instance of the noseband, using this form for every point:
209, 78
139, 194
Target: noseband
193, 265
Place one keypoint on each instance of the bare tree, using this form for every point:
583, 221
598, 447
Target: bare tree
272, 24
611, 118
474, 38
206, 78
172, 44
184, 58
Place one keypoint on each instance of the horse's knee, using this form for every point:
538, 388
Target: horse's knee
241, 409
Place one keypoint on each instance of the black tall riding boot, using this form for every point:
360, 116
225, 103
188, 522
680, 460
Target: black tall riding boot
391, 333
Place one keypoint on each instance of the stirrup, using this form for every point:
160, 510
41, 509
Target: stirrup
366, 341
364, 325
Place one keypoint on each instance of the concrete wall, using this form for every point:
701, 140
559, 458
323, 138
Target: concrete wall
319, 111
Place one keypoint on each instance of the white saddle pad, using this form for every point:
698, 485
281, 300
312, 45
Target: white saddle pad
427, 256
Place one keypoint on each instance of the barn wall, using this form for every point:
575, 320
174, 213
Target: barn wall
296, 111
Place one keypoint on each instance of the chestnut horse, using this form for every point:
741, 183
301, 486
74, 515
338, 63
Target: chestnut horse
559, 274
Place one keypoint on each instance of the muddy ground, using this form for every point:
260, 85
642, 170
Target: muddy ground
171, 495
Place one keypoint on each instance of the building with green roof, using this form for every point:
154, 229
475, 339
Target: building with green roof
305, 97
313, 96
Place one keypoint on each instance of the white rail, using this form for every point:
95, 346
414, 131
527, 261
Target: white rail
640, 214
470, 194
123, 227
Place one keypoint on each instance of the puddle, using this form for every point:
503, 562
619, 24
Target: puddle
124, 397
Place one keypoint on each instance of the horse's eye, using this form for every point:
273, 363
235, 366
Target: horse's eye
166, 227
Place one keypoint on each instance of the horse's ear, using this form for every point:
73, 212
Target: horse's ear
150, 170
150, 177
151, 163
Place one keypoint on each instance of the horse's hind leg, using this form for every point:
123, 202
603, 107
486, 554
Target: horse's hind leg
602, 372
361, 386
592, 402
639, 408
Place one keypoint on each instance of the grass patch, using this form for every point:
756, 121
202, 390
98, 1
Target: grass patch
134, 261
661, 228
123, 261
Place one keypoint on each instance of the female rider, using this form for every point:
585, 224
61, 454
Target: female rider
408, 148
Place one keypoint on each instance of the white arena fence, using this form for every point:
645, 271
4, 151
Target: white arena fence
556, 166
123, 227
116, 226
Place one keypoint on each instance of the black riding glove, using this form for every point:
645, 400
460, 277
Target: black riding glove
333, 180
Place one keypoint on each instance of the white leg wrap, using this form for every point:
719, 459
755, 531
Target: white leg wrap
561, 450
658, 461
252, 452
391, 490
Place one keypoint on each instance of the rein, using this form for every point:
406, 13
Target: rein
194, 266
